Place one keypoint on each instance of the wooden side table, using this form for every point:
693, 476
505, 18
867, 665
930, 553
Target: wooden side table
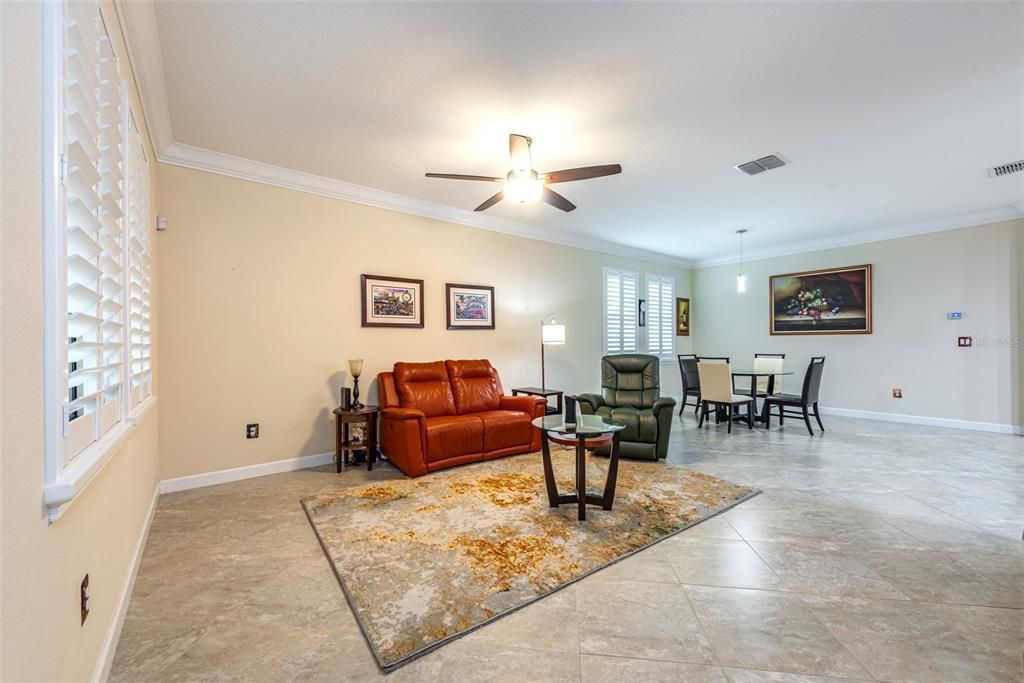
543, 393
344, 444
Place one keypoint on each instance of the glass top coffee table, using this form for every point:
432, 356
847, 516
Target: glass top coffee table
591, 429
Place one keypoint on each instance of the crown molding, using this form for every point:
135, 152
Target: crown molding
201, 159
1002, 213
142, 38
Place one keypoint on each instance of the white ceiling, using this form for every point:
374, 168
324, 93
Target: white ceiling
889, 113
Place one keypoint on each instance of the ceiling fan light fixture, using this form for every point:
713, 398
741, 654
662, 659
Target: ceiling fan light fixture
524, 188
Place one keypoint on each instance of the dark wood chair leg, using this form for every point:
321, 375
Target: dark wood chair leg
696, 408
818, 417
729, 420
807, 421
703, 408
782, 414
750, 415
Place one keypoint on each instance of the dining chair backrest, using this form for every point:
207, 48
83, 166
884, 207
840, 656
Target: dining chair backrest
713, 359
770, 355
772, 365
715, 382
812, 380
688, 370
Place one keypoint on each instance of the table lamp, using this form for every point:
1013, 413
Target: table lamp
355, 367
551, 332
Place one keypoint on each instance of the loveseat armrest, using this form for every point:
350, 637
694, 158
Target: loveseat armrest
402, 414
531, 405
589, 403
403, 438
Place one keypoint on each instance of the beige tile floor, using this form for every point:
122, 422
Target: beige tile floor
877, 552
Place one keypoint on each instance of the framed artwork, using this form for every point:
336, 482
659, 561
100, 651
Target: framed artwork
833, 301
392, 301
682, 317
469, 307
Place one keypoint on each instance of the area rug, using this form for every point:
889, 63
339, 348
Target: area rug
423, 561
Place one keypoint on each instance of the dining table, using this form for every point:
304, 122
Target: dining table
754, 375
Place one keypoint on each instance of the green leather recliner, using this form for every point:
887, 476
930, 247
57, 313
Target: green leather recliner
629, 395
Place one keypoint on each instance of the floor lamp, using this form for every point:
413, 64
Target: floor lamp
551, 332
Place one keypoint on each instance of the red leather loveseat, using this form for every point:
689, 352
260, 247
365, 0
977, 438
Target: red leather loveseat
446, 413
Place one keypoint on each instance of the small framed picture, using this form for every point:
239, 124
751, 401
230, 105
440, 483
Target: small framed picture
392, 301
469, 307
682, 317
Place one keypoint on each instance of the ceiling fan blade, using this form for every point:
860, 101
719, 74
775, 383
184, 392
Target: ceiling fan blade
556, 200
519, 152
491, 202
584, 173
456, 176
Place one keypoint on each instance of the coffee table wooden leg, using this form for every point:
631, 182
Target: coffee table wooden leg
581, 477
549, 473
613, 475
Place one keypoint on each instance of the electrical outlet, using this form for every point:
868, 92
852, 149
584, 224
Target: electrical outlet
252, 430
964, 342
897, 393
83, 595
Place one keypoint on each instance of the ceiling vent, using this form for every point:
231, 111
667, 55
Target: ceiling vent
1006, 169
761, 165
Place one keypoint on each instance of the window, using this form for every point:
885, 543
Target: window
660, 327
97, 251
620, 311
623, 332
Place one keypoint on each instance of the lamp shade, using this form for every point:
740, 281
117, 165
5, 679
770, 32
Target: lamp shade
355, 366
552, 333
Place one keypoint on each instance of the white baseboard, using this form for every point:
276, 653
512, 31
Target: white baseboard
194, 481
106, 658
948, 423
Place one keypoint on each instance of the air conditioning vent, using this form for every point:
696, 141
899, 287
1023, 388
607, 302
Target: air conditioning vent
761, 165
1006, 169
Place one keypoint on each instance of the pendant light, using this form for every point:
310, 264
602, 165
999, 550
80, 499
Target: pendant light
741, 279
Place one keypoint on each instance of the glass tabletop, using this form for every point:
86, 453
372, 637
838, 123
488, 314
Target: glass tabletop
585, 424
761, 373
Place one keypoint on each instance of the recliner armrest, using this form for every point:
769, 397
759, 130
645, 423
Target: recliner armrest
589, 403
663, 403
533, 406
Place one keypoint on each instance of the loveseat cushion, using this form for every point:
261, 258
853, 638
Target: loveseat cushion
425, 386
453, 435
505, 429
475, 385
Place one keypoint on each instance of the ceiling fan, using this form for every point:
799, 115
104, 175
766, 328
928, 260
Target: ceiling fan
524, 185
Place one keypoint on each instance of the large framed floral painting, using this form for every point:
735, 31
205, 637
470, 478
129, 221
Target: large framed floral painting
470, 307
833, 301
392, 301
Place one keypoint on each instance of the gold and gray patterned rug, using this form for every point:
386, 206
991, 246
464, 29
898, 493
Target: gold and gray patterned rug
423, 561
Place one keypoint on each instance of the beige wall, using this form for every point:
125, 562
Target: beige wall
42, 563
917, 280
260, 310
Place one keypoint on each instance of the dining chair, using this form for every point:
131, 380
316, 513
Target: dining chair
691, 380
716, 390
807, 400
771, 363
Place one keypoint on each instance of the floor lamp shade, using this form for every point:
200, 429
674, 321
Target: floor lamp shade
552, 333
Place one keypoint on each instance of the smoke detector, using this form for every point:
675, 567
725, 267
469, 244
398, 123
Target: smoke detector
1006, 169
761, 165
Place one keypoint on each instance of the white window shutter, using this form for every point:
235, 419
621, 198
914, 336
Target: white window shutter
661, 316
93, 187
620, 311
139, 369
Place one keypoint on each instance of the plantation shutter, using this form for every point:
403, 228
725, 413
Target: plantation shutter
139, 272
92, 183
661, 332
620, 311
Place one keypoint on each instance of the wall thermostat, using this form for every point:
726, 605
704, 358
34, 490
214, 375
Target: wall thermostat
954, 315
